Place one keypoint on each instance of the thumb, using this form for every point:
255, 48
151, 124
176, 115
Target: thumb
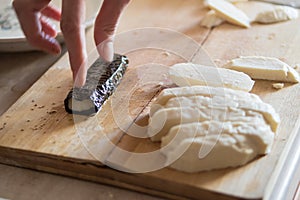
105, 27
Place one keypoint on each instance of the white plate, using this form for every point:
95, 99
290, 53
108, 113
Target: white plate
12, 38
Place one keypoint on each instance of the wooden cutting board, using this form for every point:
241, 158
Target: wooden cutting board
37, 133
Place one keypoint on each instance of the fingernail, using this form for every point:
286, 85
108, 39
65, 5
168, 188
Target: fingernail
106, 51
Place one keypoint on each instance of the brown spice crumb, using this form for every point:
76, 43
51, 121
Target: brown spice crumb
32, 100
111, 195
53, 104
58, 87
3, 126
52, 112
28, 120
22, 130
35, 105
31, 109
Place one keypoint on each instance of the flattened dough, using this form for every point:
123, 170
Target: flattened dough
229, 12
189, 74
266, 68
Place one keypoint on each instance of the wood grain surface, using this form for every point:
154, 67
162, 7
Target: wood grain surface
37, 133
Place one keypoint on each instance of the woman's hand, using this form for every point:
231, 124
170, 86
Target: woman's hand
33, 16
41, 34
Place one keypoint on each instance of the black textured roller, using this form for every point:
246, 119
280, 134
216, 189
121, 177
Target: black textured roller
102, 80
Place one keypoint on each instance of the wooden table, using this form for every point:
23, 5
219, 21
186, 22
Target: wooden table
18, 71
140, 14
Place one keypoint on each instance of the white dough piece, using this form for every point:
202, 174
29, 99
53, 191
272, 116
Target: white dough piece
266, 68
204, 128
189, 74
239, 103
227, 152
205, 91
277, 14
231, 1
236, 1
211, 20
259, 132
241, 141
229, 12
165, 118
253, 8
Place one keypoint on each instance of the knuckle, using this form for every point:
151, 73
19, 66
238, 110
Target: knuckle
69, 27
109, 29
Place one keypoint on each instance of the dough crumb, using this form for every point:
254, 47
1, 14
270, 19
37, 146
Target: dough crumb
217, 61
166, 54
278, 85
271, 36
277, 14
211, 19
283, 45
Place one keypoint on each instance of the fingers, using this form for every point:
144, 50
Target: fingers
105, 26
52, 12
73, 16
36, 31
48, 28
